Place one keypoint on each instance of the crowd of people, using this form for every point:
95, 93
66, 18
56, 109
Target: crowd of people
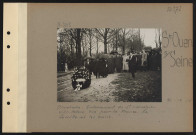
142, 61
97, 66
130, 62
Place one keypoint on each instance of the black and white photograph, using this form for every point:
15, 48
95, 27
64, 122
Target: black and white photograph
109, 65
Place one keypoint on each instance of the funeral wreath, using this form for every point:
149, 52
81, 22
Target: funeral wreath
81, 78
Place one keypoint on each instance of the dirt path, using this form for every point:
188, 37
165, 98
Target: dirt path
100, 90
117, 87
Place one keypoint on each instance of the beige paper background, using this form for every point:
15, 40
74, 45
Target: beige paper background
10, 68
42, 58
14, 67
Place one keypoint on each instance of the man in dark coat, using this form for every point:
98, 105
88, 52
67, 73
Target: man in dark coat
96, 67
132, 64
139, 60
118, 63
103, 67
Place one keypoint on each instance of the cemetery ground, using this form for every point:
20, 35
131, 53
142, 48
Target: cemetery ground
116, 87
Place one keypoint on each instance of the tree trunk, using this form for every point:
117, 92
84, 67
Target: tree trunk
159, 38
78, 45
105, 40
105, 45
116, 40
97, 46
71, 45
108, 48
90, 44
85, 44
83, 49
123, 46
113, 45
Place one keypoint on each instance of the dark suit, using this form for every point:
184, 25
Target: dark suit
132, 65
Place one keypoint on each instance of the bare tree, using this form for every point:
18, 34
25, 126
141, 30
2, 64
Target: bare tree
97, 45
77, 35
90, 37
134, 40
105, 36
158, 41
116, 38
124, 35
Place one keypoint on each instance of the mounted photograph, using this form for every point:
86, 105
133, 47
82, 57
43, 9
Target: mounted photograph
109, 65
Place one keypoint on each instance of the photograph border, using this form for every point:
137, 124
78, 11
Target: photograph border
139, 35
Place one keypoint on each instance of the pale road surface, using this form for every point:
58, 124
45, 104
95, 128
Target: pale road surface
101, 89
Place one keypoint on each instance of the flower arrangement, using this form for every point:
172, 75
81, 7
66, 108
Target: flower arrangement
81, 73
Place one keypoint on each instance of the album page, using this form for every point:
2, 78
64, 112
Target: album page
103, 68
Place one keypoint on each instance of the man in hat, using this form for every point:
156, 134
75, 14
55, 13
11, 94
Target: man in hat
132, 64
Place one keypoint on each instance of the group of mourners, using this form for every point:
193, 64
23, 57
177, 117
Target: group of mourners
142, 61
130, 62
133, 61
97, 66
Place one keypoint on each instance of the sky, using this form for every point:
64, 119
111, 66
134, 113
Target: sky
149, 37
